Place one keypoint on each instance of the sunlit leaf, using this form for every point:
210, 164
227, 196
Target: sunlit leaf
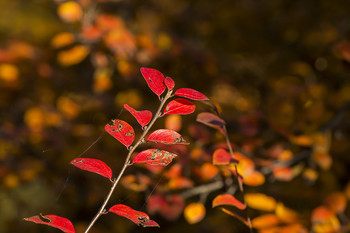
179, 106
166, 136
62, 39
283, 173
208, 171
73, 55
253, 178
93, 165
169, 83
190, 94
70, 11
194, 212
222, 157
285, 214
260, 201
54, 221
142, 117
154, 79
265, 221
154, 157
211, 120
138, 217
121, 131
227, 199
324, 220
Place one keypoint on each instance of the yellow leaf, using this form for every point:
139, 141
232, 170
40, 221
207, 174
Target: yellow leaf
8, 72
173, 122
301, 140
260, 201
285, 214
254, 178
62, 39
68, 107
194, 212
324, 221
70, 11
73, 56
324, 160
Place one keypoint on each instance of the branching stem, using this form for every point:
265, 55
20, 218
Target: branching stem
127, 160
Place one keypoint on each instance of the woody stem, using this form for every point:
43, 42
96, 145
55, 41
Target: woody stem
127, 161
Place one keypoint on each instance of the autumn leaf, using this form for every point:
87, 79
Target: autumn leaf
138, 217
324, 220
166, 136
154, 157
260, 201
243, 220
154, 79
142, 117
70, 11
211, 120
54, 221
227, 199
222, 157
179, 106
121, 131
93, 165
285, 214
265, 221
169, 83
194, 212
336, 202
170, 207
190, 94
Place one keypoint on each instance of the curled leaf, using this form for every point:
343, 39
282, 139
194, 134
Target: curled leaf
142, 117
54, 221
166, 136
227, 199
169, 82
154, 79
121, 131
190, 94
211, 120
236, 216
154, 157
93, 165
179, 106
138, 217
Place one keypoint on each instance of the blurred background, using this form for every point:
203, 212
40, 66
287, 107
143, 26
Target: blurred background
279, 70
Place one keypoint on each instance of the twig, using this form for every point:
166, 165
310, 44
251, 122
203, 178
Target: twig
127, 161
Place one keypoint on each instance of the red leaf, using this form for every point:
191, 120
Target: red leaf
170, 207
169, 82
191, 94
121, 131
222, 157
93, 165
138, 217
166, 136
154, 79
142, 117
211, 120
154, 157
227, 199
54, 221
179, 106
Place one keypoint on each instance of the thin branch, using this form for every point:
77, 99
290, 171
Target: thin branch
127, 161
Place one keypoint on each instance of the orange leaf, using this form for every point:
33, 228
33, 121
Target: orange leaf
73, 56
180, 183
285, 214
236, 216
283, 173
227, 199
323, 220
265, 221
194, 212
70, 11
260, 201
336, 202
208, 171
253, 178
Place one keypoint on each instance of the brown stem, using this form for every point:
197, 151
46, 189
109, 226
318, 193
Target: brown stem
127, 161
